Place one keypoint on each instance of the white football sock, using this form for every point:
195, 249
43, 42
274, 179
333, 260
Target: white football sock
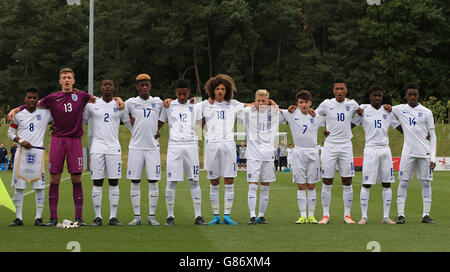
228, 198
135, 192
326, 199
196, 195
301, 201
263, 200
347, 196
18, 202
387, 200
97, 194
426, 196
214, 197
114, 194
40, 200
401, 196
153, 195
311, 202
170, 198
251, 199
364, 199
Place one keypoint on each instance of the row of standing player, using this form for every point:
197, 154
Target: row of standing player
219, 113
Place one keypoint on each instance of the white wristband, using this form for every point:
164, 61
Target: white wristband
20, 141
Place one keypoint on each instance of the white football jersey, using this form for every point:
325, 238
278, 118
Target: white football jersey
338, 118
261, 127
106, 119
220, 119
182, 119
303, 127
376, 125
416, 123
31, 127
146, 113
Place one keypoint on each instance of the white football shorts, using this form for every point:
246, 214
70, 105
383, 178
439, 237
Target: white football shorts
263, 171
306, 167
377, 166
409, 165
111, 164
138, 159
338, 156
221, 158
182, 158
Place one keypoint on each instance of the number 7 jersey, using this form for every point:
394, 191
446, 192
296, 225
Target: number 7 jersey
146, 114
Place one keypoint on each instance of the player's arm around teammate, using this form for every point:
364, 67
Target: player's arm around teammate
29, 132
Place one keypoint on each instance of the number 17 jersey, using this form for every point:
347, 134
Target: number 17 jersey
146, 114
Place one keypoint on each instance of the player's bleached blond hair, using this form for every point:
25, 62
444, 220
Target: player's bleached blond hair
65, 71
262, 92
141, 77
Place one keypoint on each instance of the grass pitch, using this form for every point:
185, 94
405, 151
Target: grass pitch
282, 234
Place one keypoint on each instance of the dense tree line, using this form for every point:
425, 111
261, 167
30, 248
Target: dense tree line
279, 45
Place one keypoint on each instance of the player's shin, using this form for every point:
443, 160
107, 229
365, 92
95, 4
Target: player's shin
301, 201
263, 200
40, 199
135, 192
401, 196
214, 197
387, 200
426, 196
114, 194
326, 199
364, 199
311, 201
251, 199
18, 202
347, 196
170, 198
153, 195
196, 195
228, 198
78, 199
97, 194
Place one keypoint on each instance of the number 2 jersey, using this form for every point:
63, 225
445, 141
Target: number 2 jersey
146, 114
30, 127
416, 123
106, 119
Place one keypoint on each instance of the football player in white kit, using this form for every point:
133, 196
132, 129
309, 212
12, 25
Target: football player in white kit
105, 151
220, 150
28, 129
418, 153
338, 149
144, 148
305, 155
182, 150
377, 164
261, 125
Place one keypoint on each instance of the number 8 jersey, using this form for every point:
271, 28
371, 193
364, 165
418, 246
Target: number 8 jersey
31, 127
